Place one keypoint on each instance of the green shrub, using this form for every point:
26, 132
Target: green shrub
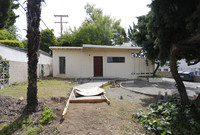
47, 116
169, 118
13, 43
5, 35
10, 128
42, 70
35, 130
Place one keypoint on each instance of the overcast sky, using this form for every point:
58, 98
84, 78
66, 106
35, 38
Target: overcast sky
126, 10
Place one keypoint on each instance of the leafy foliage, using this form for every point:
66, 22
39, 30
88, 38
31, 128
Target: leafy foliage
13, 43
42, 70
47, 116
5, 35
29, 126
9, 39
7, 15
9, 129
97, 29
14, 31
170, 23
25, 42
47, 39
35, 130
144, 38
169, 118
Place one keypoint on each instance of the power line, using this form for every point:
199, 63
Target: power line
25, 15
61, 22
44, 24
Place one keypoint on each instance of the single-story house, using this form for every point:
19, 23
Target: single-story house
104, 61
18, 67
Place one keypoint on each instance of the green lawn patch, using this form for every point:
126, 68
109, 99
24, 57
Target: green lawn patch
47, 87
156, 76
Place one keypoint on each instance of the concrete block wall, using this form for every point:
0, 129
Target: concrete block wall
18, 71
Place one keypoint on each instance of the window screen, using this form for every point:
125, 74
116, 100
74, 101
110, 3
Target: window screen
62, 65
115, 59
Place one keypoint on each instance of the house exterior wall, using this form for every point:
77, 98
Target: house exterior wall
17, 71
193, 68
79, 63
9, 53
182, 66
18, 68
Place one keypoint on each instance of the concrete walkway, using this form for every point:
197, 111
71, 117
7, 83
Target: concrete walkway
153, 89
187, 84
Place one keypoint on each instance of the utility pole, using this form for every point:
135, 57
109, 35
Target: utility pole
61, 22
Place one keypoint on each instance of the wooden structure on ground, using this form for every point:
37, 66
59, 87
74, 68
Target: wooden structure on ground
75, 97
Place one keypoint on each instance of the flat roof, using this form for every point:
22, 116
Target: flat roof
96, 46
25, 50
64, 47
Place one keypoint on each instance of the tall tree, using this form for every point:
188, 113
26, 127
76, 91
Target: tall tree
97, 29
33, 35
174, 29
7, 15
47, 39
144, 38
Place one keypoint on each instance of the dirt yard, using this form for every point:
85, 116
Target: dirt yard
85, 118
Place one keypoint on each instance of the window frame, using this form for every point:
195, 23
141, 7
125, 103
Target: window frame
64, 65
115, 59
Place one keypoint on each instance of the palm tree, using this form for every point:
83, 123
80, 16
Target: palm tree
33, 35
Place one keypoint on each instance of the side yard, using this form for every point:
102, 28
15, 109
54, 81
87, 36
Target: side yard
81, 118
48, 87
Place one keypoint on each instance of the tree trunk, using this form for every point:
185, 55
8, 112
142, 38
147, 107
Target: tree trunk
179, 82
158, 65
33, 35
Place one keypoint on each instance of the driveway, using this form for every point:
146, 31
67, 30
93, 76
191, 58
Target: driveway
153, 89
190, 85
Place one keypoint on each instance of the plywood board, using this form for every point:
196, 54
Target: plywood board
89, 92
86, 99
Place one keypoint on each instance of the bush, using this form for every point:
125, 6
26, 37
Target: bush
47, 116
13, 43
169, 118
5, 35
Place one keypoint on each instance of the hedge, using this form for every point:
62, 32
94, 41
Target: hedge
13, 43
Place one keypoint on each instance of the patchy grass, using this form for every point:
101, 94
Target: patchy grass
47, 87
156, 76
28, 125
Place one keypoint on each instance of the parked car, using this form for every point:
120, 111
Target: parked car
186, 76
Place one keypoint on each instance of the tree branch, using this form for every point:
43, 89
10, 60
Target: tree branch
189, 63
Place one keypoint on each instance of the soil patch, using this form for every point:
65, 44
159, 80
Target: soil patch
84, 118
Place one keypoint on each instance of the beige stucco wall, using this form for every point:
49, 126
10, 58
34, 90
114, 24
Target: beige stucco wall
18, 63
18, 71
79, 63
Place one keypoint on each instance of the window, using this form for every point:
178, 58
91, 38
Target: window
62, 65
166, 69
115, 59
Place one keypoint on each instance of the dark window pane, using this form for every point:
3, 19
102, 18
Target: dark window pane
62, 65
109, 59
115, 59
